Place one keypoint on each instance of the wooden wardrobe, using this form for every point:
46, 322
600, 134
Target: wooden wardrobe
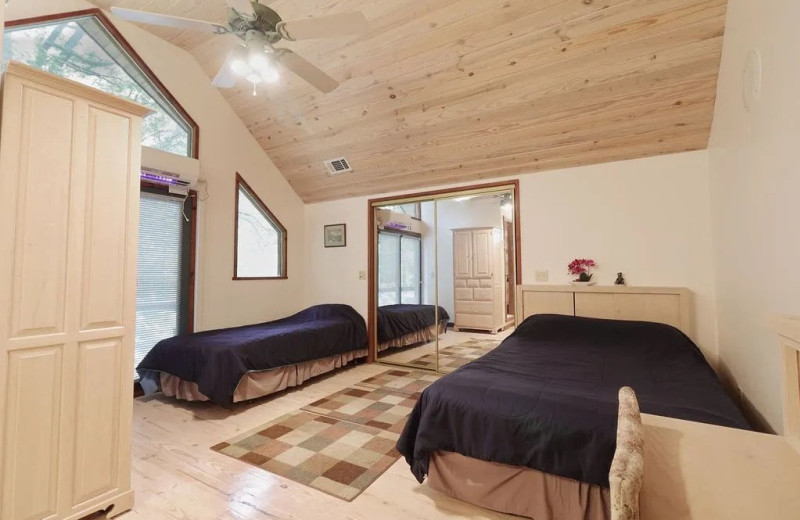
69, 213
479, 279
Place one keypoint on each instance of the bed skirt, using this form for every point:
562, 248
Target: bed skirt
516, 490
259, 383
421, 336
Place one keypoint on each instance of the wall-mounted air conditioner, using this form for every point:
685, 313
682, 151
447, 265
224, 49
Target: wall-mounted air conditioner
177, 172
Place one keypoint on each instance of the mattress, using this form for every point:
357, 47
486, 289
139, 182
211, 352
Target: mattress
546, 398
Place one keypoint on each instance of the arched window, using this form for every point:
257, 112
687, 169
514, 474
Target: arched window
85, 47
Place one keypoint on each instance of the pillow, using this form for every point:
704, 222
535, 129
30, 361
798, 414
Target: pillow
627, 467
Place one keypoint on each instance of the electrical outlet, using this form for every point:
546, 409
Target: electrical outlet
362, 275
542, 275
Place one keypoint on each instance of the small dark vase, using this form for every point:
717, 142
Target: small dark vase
585, 277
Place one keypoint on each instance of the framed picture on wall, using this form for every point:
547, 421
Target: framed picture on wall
336, 235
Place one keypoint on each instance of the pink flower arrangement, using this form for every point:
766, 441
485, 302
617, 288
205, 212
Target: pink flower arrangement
582, 268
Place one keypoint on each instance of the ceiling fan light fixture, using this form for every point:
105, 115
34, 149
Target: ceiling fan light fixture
254, 78
258, 61
270, 74
239, 63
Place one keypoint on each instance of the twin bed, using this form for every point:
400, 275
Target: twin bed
530, 427
242, 363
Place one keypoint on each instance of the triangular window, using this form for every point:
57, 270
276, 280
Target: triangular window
86, 48
260, 249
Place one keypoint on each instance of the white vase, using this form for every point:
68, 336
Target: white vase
575, 282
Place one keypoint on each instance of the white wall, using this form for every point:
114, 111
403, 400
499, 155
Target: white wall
226, 146
755, 183
649, 218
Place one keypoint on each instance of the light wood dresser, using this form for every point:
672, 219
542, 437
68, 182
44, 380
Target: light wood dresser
69, 208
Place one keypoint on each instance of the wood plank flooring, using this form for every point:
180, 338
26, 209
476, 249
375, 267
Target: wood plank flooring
177, 476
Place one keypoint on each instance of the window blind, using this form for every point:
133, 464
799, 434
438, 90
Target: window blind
158, 296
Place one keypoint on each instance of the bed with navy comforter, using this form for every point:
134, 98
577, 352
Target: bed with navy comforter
546, 398
216, 360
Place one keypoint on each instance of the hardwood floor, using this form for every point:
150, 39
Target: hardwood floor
177, 476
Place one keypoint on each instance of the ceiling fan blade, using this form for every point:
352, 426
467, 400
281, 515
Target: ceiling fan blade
306, 70
133, 15
226, 77
343, 24
242, 7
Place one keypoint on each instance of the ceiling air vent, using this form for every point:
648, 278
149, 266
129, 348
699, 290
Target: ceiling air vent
337, 166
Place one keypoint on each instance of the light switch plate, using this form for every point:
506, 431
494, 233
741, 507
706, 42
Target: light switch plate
542, 275
362, 275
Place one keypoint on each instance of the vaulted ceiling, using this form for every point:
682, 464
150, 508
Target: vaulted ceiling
460, 90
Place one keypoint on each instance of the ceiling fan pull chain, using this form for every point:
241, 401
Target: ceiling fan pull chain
255, 93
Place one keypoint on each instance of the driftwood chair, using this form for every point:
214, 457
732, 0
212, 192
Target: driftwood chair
627, 467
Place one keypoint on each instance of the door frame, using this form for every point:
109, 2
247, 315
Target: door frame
372, 239
511, 309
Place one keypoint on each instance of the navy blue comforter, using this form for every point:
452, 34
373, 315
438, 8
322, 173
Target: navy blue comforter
217, 359
546, 398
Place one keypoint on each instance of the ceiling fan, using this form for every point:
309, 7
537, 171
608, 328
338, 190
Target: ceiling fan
255, 58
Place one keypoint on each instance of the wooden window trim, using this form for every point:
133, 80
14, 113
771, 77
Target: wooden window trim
111, 28
284, 235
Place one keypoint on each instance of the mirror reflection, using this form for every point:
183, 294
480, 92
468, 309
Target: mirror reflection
446, 278
476, 274
409, 322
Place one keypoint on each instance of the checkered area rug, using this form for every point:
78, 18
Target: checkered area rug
455, 356
381, 408
340, 444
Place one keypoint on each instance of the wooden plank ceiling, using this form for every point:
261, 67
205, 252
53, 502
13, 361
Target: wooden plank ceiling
447, 91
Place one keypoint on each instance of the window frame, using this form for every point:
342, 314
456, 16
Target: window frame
126, 47
241, 183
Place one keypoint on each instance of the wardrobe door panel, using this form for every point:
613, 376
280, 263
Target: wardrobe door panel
483, 253
32, 432
97, 435
462, 254
41, 214
106, 223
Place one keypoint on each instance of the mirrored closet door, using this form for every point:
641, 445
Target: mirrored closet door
475, 277
445, 272
407, 316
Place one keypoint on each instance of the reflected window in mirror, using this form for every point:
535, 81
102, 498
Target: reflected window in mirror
399, 268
